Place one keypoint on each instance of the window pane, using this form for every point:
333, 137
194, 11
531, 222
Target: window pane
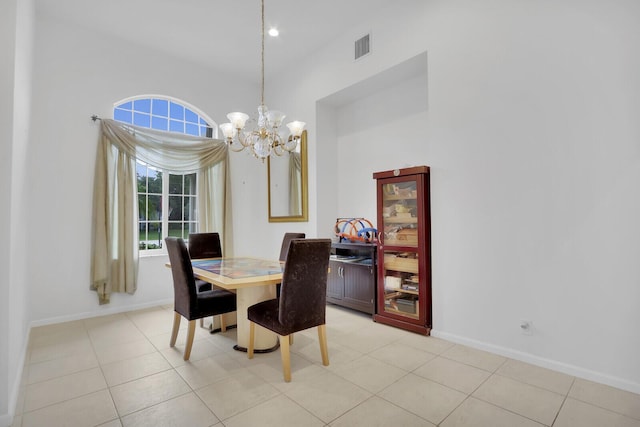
190, 116
143, 120
190, 184
142, 207
190, 208
176, 126
187, 209
177, 111
175, 229
122, 115
175, 184
143, 105
191, 129
154, 181
159, 123
142, 236
126, 105
154, 208
141, 174
175, 208
161, 107
193, 227
154, 235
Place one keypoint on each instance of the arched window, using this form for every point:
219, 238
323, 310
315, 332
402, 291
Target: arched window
167, 202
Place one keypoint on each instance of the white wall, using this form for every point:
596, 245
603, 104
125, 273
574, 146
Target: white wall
7, 56
79, 72
16, 38
375, 133
531, 131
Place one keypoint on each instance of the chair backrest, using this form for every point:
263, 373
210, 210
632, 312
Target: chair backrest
303, 294
286, 240
184, 287
204, 245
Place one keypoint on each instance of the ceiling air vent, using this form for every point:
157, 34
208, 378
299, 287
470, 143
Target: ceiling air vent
363, 46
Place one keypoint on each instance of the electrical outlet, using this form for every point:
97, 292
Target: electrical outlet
526, 327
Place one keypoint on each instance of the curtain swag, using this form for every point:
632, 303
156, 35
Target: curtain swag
114, 261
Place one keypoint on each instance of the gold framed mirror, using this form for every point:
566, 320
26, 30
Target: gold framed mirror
287, 184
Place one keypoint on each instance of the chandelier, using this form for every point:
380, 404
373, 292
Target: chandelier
265, 138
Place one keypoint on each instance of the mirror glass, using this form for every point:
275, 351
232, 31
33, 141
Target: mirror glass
287, 181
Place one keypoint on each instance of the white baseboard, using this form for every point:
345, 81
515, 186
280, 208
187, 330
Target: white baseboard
101, 312
555, 365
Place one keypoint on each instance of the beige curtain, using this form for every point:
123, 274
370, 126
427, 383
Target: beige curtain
114, 261
295, 170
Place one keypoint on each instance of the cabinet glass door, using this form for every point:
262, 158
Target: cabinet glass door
400, 214
400, 264
401, 283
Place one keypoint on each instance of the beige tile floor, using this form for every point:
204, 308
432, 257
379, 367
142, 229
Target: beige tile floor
118, 370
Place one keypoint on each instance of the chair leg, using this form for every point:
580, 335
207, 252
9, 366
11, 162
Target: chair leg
223, 324
252, 335
176, 326
202, 322
190, 333
290, 339
286, 357
322, 337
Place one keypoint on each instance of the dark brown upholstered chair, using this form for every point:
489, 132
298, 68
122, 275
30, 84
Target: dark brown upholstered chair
188, 303
284, 249
205, 245
286, 240
302, 302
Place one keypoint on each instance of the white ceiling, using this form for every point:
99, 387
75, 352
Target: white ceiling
223, 34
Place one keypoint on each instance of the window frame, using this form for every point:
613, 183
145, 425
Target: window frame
165, 196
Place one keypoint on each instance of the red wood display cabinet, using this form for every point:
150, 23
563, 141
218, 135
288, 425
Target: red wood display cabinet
404, 249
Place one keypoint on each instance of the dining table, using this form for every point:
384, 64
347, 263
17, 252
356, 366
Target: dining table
253, 280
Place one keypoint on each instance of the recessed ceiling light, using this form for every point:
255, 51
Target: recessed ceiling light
273, 32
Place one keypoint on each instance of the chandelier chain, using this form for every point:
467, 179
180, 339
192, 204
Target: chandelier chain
266, 137
262, 62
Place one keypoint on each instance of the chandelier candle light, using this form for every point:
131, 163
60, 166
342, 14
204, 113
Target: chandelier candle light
266, 137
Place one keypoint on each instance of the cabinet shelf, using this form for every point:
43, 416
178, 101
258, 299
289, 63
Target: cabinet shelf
402, 313
401, 220
399, 293
396, 242
398, 197
402, 264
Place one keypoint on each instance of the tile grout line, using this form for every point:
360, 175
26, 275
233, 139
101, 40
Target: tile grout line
566, 396
470, 395
113, 402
